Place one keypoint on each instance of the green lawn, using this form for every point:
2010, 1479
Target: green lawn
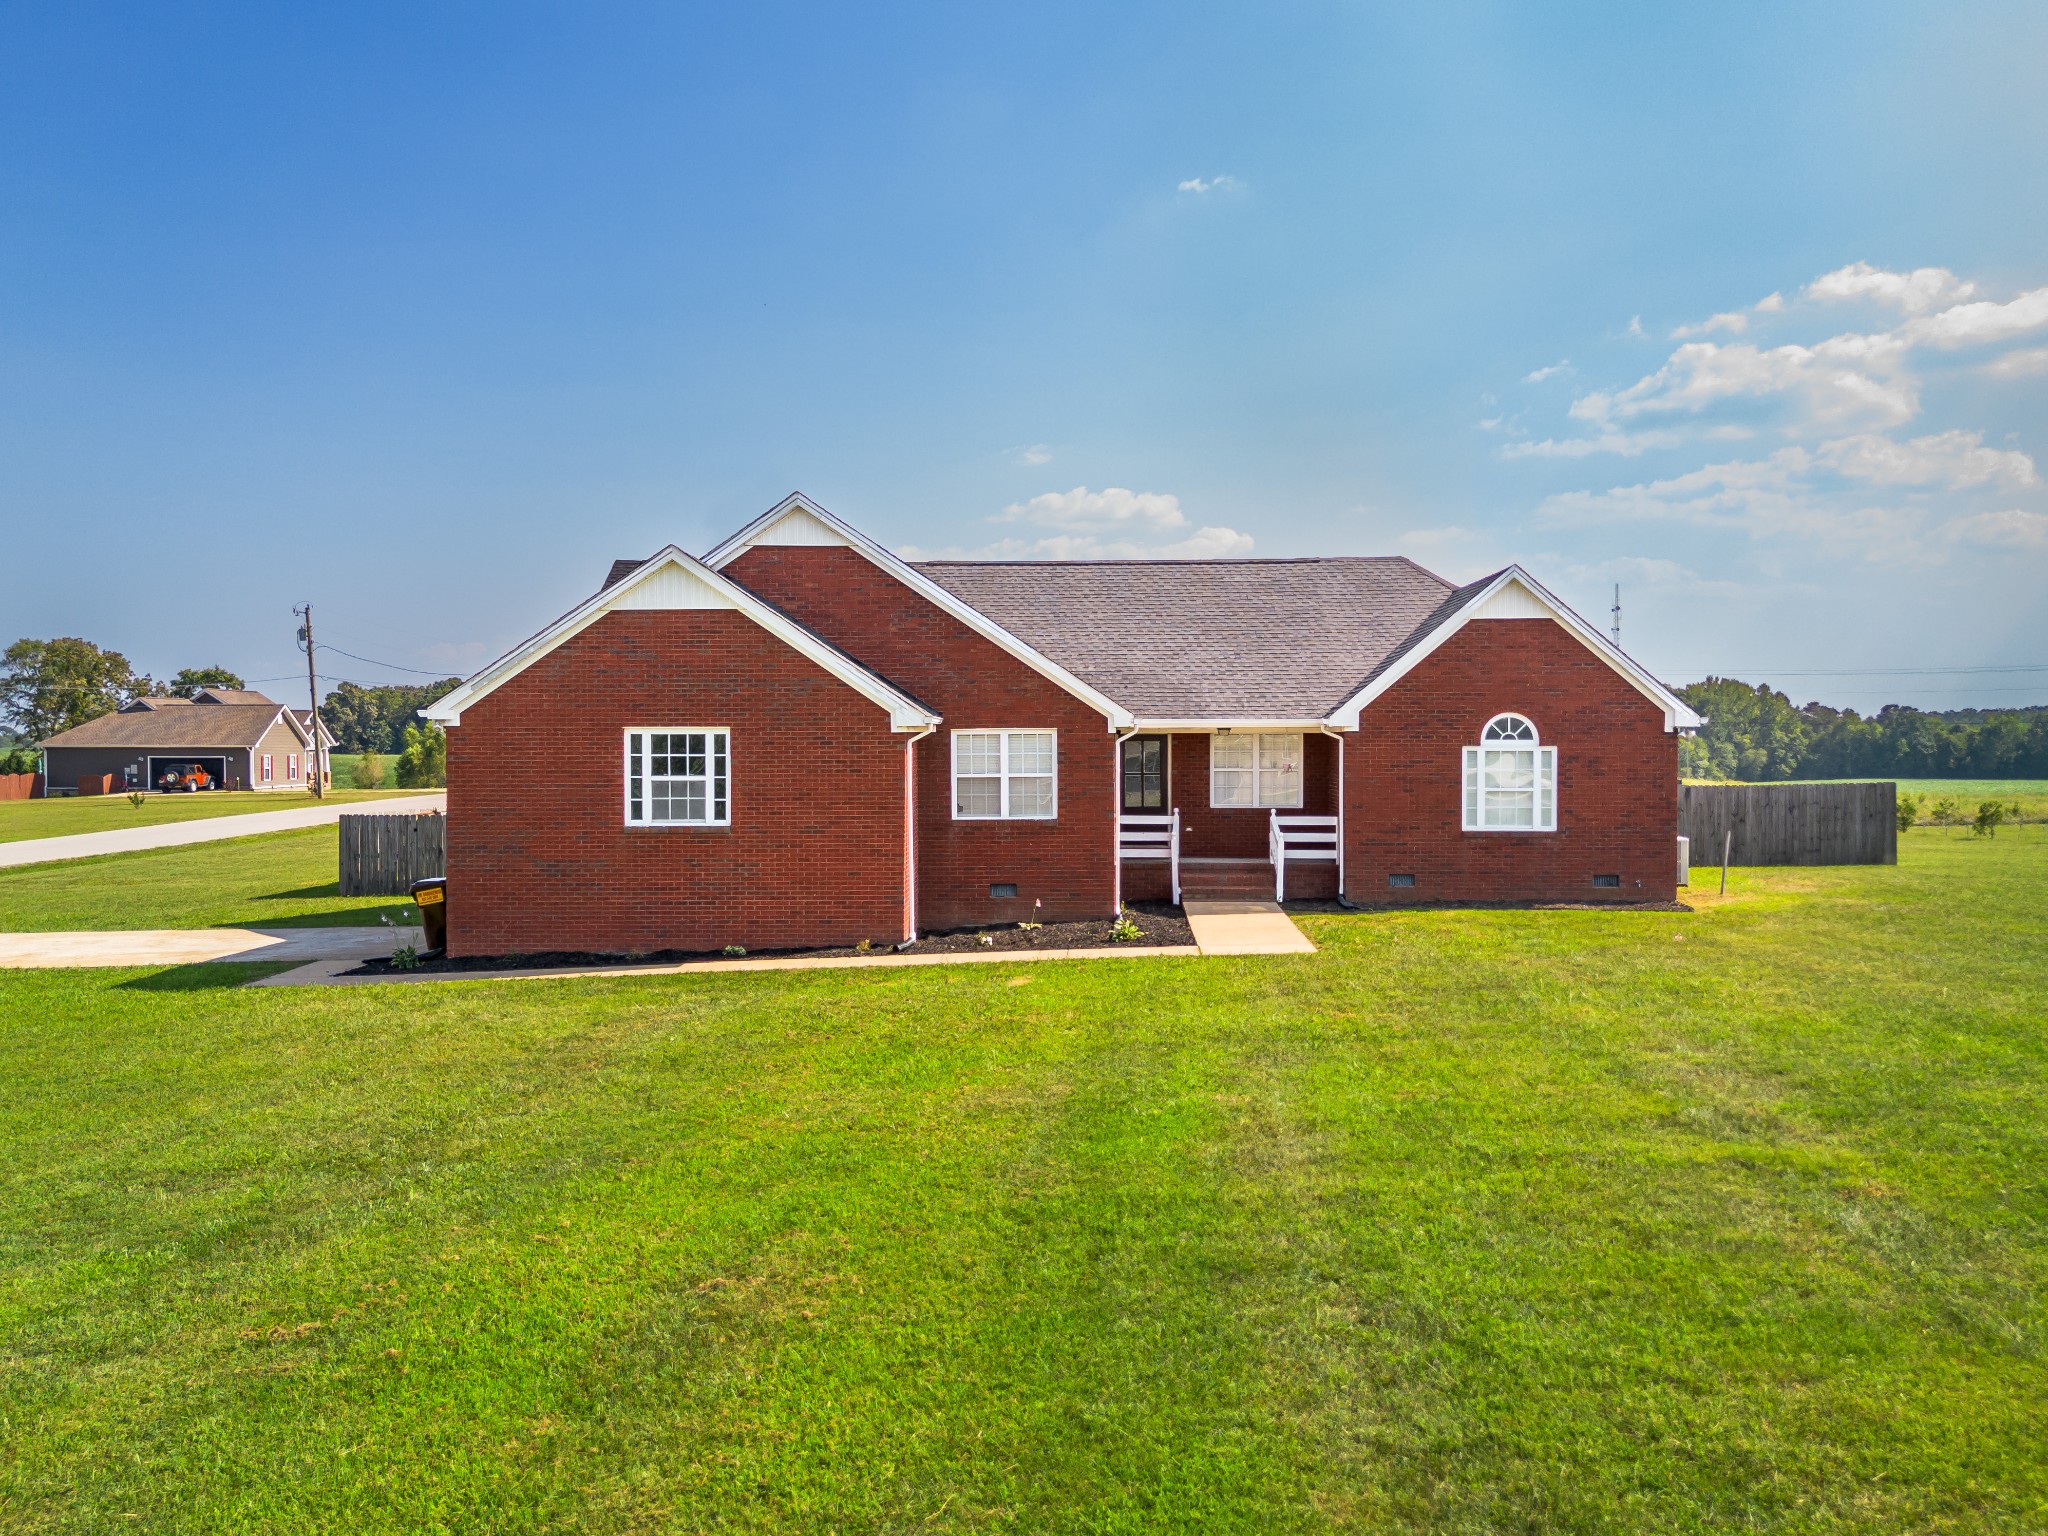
21, 819
289, 879
1530, 1222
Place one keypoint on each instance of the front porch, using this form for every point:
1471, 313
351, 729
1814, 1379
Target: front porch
1231, 815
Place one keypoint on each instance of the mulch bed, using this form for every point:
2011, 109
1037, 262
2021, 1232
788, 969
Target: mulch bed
1160, 925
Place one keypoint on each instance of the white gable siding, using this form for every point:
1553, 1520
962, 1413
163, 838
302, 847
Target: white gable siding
673, 586
1513, 601
798, 527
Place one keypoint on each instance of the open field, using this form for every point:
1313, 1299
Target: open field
1555, 1221
274, 879
2030, 795
23, 819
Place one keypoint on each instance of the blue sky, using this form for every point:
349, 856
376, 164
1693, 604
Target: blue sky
424, 313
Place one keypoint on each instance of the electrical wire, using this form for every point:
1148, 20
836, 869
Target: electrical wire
372, 661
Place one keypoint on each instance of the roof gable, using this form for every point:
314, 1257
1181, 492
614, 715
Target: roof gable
797, 521
1508, 594
672, 579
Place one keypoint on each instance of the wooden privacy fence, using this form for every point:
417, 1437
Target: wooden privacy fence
1791, 823
383, 855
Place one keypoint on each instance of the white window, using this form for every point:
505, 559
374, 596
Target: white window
677, 778
1510, 780
266, 767
1005, 775
291, 765
1255, 769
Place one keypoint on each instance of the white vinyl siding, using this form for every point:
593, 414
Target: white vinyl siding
1253, 770
678, 777
1005, 775
1510, 779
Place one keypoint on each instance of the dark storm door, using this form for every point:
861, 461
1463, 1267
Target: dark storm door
1144, 773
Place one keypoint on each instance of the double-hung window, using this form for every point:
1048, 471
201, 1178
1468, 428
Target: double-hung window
1510, 779
1005, 775
1255, 769
291, 765
266, 767
678, 778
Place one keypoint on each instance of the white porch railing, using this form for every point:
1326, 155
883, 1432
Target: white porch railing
1152, 837
1315, 839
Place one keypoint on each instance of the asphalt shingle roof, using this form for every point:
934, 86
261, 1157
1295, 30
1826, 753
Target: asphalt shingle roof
1212, 639
176, 724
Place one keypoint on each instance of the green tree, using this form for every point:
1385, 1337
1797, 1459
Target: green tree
374, 719
1752, 733
423, 764
188, 683
47, 686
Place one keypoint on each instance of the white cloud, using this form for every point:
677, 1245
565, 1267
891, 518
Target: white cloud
1635, 326
1734, 321
1626, 444
2023, 364
1843, 380
1033, 456
1954, 460
1971, 325
1770, 304
1563, 365
1913, 292
2014, 529
1109, 524
1198, 186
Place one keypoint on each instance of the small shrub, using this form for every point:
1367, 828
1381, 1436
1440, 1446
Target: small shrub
1947, 812
369, 772
1989, 815
1125, 929
424, 762
18, 760
986, 941
404, 958
735, 950
137, 798
864, 947
1908, 811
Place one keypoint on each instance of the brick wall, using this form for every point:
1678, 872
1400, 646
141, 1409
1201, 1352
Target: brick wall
1617, 792
1225, 833
1069, 864
539, 857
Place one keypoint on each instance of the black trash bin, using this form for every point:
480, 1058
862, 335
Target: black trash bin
432, 899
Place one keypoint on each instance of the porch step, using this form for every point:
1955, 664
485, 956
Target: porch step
1240, 878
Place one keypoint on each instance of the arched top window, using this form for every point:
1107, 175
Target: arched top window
1510, 780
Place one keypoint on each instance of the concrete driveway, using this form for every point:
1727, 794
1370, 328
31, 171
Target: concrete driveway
88, 845
188, 946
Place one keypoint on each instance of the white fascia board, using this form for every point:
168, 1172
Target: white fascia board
905, 713
1118, 717
1210, 727
1678, 716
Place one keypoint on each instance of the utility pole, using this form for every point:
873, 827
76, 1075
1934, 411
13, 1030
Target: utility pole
305, 615
1617, 616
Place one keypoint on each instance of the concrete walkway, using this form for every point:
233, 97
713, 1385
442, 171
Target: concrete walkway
188, 946
88, 845
1245, 928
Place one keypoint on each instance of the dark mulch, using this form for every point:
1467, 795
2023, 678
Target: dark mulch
1160, 925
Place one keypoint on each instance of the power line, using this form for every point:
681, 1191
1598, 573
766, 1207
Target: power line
372, 661
1880, 671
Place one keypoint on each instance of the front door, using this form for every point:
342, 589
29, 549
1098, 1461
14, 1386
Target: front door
1144, 774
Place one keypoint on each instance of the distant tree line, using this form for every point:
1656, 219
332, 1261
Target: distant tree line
375, 719
1756, 734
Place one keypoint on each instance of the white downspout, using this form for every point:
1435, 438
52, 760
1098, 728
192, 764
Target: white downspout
910, 837
1343, 890
1116, 814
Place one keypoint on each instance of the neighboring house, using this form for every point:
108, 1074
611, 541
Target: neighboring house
225, 738
802, 739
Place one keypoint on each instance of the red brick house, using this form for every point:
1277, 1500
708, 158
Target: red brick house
802, 739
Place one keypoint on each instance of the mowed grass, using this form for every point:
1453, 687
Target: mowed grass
1557, 1221
274, 879
22, 819
2030, 795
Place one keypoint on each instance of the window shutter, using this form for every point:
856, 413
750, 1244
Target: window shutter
1546, 788
1471, 788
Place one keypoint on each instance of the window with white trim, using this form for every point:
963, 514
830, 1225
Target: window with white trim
1510, 779
1255, 769
1005, 775
266, 767
678, 778
291, 765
